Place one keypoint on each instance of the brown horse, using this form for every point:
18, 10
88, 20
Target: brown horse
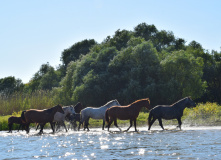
78, 107
40, 116
16, 120
130, 112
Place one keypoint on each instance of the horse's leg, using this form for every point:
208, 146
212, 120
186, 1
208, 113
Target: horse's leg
179, 122
87, 124
79, 125
64, 126
103, 124
115, 123
160, 122
131, 123
82, 120
109, 124
74, 125
151, 123
37, 126
10, 128
52, 126
27, 128
57, 124
135, 125
42, 127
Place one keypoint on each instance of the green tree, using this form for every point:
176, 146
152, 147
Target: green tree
9, 85
135, 73
212, 75
45, 78
182, 73
120, 39
73, 53
148, 32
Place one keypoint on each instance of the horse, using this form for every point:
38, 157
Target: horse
40, 116
96, 113
59, 117
168, 112
130, 112
78, 107
73, 118
16, 120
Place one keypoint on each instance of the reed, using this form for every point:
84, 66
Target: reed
20, 101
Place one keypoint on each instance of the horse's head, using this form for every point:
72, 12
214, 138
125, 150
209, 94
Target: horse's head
115, 103
59, 109
147, 103
78, 107
72, 110
190, 102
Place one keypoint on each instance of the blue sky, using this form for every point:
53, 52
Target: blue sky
34, 32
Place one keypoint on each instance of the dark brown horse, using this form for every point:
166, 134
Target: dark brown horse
174, 111
130, 112
72, 119
78, 107
40, 116
16, 120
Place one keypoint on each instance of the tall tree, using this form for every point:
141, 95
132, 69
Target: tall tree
148, 32
182, 73
9, 85
73, 53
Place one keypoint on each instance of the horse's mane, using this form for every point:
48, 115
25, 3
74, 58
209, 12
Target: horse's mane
51, 109
137, 101
181, 100
78, 104
108, 103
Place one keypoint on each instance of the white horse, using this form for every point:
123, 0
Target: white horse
95, 113
59, 117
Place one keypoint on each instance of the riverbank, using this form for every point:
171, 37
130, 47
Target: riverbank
208, 114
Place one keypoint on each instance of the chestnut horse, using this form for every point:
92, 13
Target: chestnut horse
40, 116
130, 112
16, 120
168, 112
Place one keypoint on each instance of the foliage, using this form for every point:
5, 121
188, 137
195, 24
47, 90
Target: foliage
22, 101
204, 114
184, 73
74, 52
8, 85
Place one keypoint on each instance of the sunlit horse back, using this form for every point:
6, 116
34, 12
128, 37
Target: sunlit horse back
130, 112
168, 112
96, 113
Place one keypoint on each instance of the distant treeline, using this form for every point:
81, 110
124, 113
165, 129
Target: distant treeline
127, 66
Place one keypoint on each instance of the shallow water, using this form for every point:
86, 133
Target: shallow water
189, 143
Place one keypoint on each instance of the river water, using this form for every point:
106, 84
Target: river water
188, 143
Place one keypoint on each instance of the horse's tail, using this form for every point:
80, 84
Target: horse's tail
23, 116
149, 118
107, 116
